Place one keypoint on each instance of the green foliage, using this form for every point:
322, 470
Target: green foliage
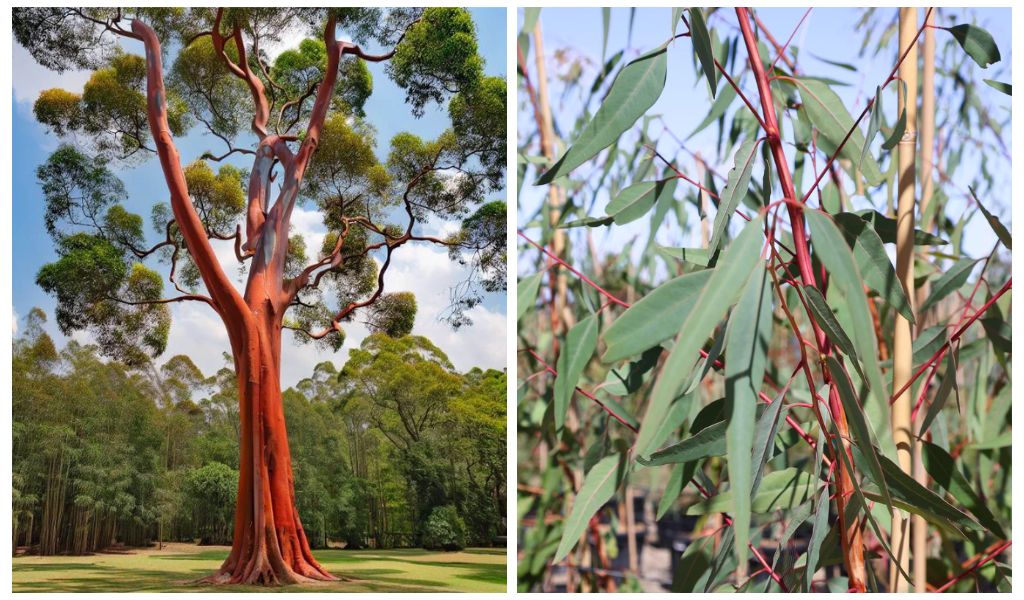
393, 314
444, 530
437, 56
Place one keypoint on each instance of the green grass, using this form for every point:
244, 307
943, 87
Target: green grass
176, 568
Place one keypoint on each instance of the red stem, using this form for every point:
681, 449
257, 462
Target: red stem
976, 566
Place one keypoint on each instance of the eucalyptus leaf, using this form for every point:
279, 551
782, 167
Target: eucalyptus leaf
579, 346
599, 485
526, 293
828, 113
977, 43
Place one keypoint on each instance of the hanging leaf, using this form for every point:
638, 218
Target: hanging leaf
826, 319
636, 88
653, 319
734, 190
636, 200
708, 442
779, 490
526, 294
874, 125
943, 469
588, 222
886, 229
718, 108
1005, 88
997, 226
677, 15
702, 47
939, 401
897, 132
818, 532
977, 43
746, 355
530, 19
720, 293
828, 113
598, 487
681, 475
694, 256
950, 281
609, 66
579, 346
873, 263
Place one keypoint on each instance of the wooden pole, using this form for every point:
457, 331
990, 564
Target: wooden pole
919, 527
902, 336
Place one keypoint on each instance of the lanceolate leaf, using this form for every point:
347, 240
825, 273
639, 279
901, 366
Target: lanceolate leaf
911, 496
588, 222
709, 441
598, 486
829, 115
681, 475
827, 321
636, 200
636, 88
949, 282
694, 256
874, 264
874, 125
779, 490
677, 15
886, 229
1005, 88
655, 318
831, 248
897, 132
579, 346
718, 108
720, 293
997, 226
943, 469
818, 532
746, 354
526, 296
977, 43
948, 384
735, 189
702, 47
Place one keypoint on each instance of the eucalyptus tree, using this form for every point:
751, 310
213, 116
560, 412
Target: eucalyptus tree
299, 117
724, 330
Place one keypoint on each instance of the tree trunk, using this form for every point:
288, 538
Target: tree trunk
269, 545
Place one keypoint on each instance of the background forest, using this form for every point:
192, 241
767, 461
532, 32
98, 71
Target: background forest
396, 449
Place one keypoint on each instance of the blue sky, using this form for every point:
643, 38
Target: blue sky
196, 330
827, 33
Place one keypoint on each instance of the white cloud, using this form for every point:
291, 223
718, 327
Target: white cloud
30, 78
14, 321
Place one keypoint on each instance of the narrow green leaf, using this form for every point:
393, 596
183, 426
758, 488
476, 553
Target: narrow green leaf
526, 296
734, 190
720, 293
1005, 88
694, 256
746, 355
837, 257
718, 108
636, 200
693, 565
618, 385
579, 346
779, 490
654, 318
828, 322
861, 432
677, 15
911, 496
588, 222
827, 112
708, 442
874, 125
897, 132
530, 19
701, 39
997, 226
947, 385
681, 475
977, 43
818, 532
599, 485
943, 469
949, 282
764, 438
886, 229
874, 264
636, 88
606, 20
606, 70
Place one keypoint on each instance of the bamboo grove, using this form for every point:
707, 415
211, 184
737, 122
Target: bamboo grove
108, 456
786, 337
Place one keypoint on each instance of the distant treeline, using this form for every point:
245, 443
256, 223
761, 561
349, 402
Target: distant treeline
395, 449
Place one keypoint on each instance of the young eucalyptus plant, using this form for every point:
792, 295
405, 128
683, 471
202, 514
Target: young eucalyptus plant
803, 359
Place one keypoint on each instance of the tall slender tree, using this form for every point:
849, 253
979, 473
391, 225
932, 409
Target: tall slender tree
307, 132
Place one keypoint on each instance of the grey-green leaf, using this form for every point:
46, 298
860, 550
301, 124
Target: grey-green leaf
721, 292
947, 385
579, 346
636, 88
636, 200
654, 318
818, 532
779, 490
1005, 88
827, 321
718, 108
873, 125
735, 189
526, 296
949, 282
829, 115
942, 468
977, 43
874, 264
599, 485
997, 226
701, 39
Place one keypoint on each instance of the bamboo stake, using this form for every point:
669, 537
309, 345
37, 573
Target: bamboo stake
919, 528
556, 195
902, 336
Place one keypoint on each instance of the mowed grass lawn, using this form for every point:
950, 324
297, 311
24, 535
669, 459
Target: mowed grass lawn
177, 566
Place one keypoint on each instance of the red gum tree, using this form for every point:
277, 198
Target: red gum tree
433, 54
